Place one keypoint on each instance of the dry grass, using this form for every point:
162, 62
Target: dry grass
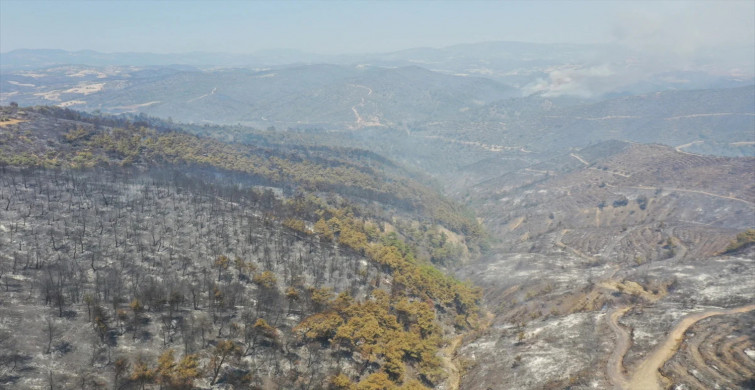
11, 122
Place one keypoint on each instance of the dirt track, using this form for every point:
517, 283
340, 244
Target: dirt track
697, 192
447, 358
615, 368
647, 375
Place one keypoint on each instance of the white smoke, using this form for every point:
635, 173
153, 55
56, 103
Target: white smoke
572, 80
717, 38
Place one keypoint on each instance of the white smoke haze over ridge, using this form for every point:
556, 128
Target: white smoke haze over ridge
687, 30
717, 38
573, 80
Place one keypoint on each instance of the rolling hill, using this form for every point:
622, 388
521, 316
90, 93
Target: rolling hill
308, 96
159, 258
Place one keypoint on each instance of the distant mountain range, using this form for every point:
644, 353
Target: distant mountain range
499, 96
410, 99
585, 70
297, 96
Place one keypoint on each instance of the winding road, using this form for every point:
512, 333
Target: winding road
695, 192
615, 368
647, 375
360, 122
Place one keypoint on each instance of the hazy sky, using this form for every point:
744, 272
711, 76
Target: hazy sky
330, 27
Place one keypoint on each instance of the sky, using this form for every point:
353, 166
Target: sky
338, 27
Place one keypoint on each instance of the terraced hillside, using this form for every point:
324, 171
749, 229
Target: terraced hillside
621, 202
716, 352
609, 261
556, 322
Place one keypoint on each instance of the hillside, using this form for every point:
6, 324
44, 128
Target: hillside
420, 103
717, 121
45, 137
295, 96
621, 202
604, 257
136, 256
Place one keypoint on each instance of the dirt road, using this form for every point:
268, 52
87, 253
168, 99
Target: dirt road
582, 160
360, 121
615, 368
696, 192
647, 375
449, 365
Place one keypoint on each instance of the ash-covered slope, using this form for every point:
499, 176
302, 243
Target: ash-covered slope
606, 256
136, 257
58, 138
618, 201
